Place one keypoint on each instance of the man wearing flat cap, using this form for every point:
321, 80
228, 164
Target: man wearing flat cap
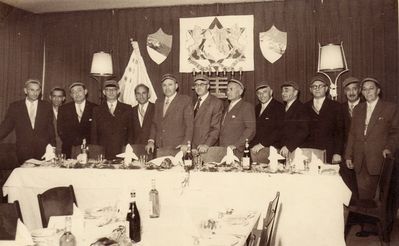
208, 112
295, 127
269, 116
326, 121
351, 86
32, 121
110, 122
172, 125
239, 122
372, 137
74, 119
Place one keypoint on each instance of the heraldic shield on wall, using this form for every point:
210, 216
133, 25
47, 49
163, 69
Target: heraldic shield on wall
159, 45
216, 43
273, 44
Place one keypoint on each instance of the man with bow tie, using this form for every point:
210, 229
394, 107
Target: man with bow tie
110, 122
269, 116
74, 119
372, 137
32, 121
325, 121
208, 112
239, 122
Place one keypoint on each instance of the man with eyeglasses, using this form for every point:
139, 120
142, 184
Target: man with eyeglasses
208, 112
326, 121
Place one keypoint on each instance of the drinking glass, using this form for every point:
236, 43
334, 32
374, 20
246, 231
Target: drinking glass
61, 159
100, 159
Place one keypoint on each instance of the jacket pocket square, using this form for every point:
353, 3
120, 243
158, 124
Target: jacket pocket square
233, 116
267, 118
380, 118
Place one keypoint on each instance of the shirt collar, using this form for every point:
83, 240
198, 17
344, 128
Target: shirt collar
28, 102
171, 97
264, 105
113, 103
319, 100
372, 104
143, 106
232, 104
354, 103
204, 97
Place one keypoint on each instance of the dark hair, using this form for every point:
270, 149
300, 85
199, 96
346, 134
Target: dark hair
141, 85
58, 89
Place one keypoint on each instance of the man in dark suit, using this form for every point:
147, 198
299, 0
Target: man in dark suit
142, 115
110, 122
295, 127
172, 125
239, 122
208, 112
269, 116
32, 120
352, 92
372, 137
57, 98
74, 119
326, 121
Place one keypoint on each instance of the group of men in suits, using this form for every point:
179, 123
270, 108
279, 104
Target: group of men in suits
358, 134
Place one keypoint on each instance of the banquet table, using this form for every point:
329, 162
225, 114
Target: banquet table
310, 211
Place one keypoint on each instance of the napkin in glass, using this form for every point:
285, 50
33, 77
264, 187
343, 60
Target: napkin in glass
274, 157
129, 155
299, 159
229, 158
50, 154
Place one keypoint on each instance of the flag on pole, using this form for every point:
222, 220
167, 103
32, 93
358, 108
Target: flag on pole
135, 73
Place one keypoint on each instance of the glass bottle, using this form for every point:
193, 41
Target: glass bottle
84, 154
133, 217
68, 239
188, 156
154, 201
246, 159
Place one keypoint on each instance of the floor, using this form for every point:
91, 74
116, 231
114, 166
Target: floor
352, 240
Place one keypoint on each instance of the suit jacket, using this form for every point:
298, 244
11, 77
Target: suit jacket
111, 131
326, 128
58, 141
295, 129
382, 133
30, 143
70, 130
238, 124
176, 127
207, 122
268, 124
347, 120
141, 134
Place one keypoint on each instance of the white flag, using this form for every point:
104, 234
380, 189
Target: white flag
135, 73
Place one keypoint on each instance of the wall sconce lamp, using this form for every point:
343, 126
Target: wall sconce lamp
332, 60
101, 68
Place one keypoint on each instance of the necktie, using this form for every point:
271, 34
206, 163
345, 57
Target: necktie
111, 108
165, 106
368, 116
287, 107
80, 112
351, 106
263, 107
141, 112
32, 114
197, 105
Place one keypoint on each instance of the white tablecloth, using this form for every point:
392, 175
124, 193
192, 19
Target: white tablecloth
311, 211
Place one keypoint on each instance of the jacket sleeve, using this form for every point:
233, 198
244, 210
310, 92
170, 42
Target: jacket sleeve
250, 126
8, 123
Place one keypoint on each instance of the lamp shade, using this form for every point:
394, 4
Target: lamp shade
101, 64
331, 58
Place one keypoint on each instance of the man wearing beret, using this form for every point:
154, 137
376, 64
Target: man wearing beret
295, 128
32, 120
110, 122
373, 136
269, 116
74, 119
208, 112
326, 121
239, 122
172, 125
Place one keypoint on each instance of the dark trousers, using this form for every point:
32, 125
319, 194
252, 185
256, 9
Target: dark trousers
366, 183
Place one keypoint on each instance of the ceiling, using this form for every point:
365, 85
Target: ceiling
48, 6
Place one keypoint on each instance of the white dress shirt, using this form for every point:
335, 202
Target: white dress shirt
369, 112
142, 107
264, 106
32, 110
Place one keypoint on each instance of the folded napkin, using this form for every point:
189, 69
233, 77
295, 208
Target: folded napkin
22, 236
274, 157
50, 153
314, 164
299, 159
129, 155
176, 160
229, 158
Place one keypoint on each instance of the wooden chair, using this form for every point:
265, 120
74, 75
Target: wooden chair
94, 151
56, 201
379, 210
9, 215
214, 154
269, 221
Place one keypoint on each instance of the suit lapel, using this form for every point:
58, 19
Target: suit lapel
25, 110
171, 106
204, 105
374, 116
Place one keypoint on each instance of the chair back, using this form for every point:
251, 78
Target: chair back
262, 156
55, 202
214, 154
269, 221
384, 183
9, 215
94, 151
